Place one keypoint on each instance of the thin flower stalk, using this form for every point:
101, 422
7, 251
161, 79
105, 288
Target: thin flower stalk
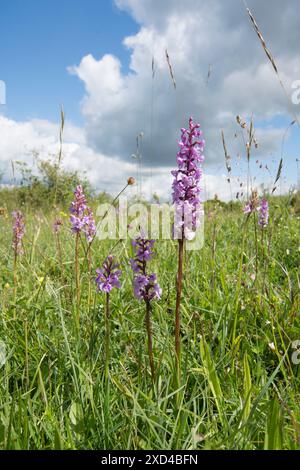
263, 221
254, 206
130, 182
56, 230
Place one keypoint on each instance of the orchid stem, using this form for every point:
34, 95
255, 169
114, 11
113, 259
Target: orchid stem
177, 312
77, 275
107, 336
150, 341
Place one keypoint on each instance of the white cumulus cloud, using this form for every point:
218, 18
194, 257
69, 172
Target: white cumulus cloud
201, 36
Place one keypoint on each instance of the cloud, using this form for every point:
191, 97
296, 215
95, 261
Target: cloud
22, 140
198, 35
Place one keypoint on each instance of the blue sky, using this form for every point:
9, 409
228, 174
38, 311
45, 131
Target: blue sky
40, 39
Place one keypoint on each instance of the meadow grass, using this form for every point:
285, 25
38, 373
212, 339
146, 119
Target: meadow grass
239, 388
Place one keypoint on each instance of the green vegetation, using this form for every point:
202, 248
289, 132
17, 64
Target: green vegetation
239, 386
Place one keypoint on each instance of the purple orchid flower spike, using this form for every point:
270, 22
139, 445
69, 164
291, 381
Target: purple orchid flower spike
145, 285
263, 209
186, 183
82, 218
108, 277
18, 231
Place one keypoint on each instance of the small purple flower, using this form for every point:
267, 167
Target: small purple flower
18, 231
262, 206
90, 225
252, 204
82, 219
108, 276
79, 204
77, 224
145, 285
186, 189
248, 209
263, 209
143, 250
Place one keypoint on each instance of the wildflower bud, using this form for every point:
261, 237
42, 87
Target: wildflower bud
108, 276
145, 285
131, 181
57, 226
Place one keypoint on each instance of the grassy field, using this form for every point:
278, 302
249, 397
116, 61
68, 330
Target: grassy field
239, 385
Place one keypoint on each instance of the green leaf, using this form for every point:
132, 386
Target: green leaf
273, 436
247, 388
212, 378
